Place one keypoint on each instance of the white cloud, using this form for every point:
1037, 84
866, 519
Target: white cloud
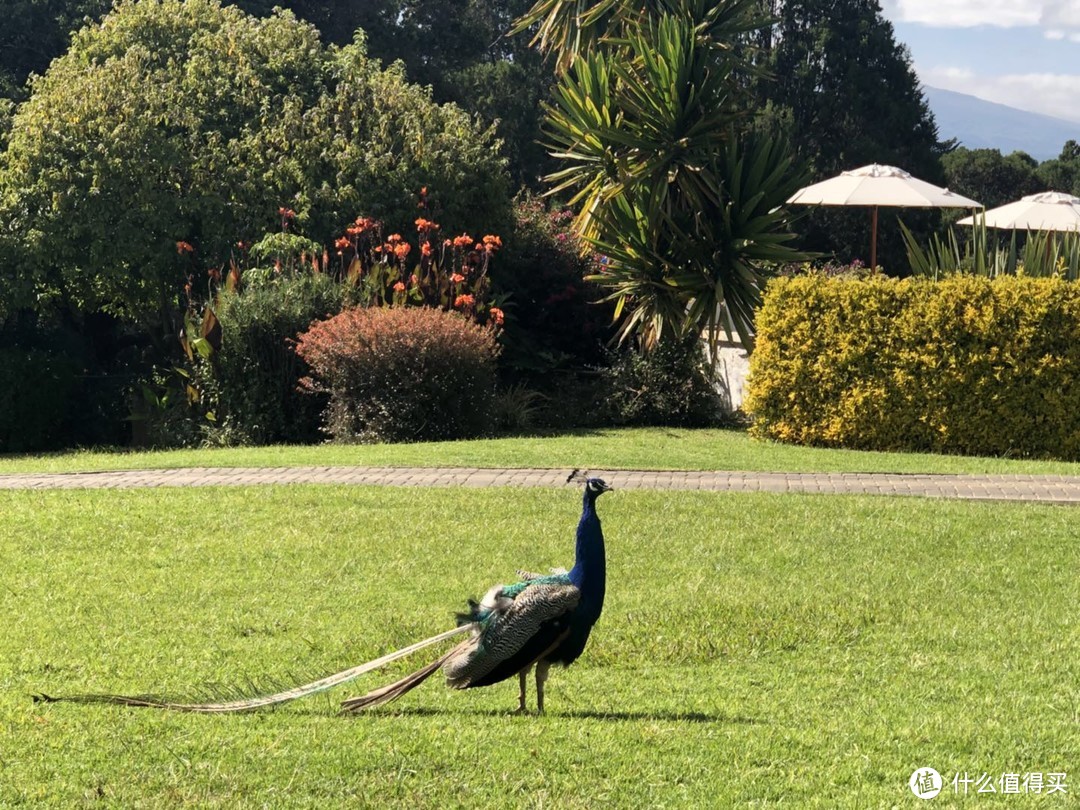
1061, 13
1055, 94
969, 13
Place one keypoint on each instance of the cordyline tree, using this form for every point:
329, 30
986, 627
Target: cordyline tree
680, 201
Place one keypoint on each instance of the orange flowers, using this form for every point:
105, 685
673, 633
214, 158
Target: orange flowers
286, 213
397, 246
361, 225
438, 277
184, 247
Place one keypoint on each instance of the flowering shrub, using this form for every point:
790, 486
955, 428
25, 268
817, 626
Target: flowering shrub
442, 273
401, 373
243, 372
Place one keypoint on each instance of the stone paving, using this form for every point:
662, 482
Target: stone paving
1041, 488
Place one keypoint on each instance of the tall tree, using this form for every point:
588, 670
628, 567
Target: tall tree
459, 48
1063, 172
34, 33
844, 89
990, 177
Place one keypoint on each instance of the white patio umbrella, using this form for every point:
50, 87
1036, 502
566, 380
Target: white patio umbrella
876, 185
1048, 211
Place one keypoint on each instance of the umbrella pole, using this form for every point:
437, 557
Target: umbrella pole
873, 238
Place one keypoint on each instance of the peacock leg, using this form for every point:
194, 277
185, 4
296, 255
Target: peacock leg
542, 668
523, 679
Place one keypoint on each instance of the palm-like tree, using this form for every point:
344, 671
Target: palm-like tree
686, 209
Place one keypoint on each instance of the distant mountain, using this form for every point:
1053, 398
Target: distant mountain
979, 124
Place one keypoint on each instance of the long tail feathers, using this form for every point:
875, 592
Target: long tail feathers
267, 700
398, 688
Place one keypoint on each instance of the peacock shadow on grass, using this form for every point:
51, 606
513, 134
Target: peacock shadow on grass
582, 714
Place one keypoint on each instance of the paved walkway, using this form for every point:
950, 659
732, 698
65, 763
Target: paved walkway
1041, 488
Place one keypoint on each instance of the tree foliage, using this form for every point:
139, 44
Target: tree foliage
1063, 172
35, 32
681, 204
185, 122
990, 177
842, 87
459, 49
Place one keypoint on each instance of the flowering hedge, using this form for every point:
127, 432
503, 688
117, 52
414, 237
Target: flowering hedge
401, 373
965, 365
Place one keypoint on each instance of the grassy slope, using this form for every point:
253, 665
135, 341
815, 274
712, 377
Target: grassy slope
653, 448
755, 648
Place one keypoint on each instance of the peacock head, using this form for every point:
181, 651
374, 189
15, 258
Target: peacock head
596, 487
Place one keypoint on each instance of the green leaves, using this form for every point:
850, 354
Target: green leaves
1038, 254
567, 28
679, 268
685, 211
188, 122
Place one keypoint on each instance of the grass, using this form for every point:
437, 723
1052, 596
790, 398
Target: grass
642, 448
755, 649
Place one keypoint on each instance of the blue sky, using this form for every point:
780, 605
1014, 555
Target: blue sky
1024, 53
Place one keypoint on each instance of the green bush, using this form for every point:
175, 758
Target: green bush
256, 372
555, 324
182, 122
668, 386
401, 373
964, 365
36, 389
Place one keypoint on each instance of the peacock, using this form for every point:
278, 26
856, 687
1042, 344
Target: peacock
541, 620
538, 621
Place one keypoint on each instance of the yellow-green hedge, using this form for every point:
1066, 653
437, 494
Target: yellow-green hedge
965, 365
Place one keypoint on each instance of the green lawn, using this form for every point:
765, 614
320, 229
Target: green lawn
645, 448
755, 649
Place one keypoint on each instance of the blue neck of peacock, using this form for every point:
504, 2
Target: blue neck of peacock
590, 567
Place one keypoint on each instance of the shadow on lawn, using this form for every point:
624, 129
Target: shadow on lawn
587, 714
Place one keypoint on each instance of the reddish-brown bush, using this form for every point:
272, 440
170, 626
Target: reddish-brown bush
401, 373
